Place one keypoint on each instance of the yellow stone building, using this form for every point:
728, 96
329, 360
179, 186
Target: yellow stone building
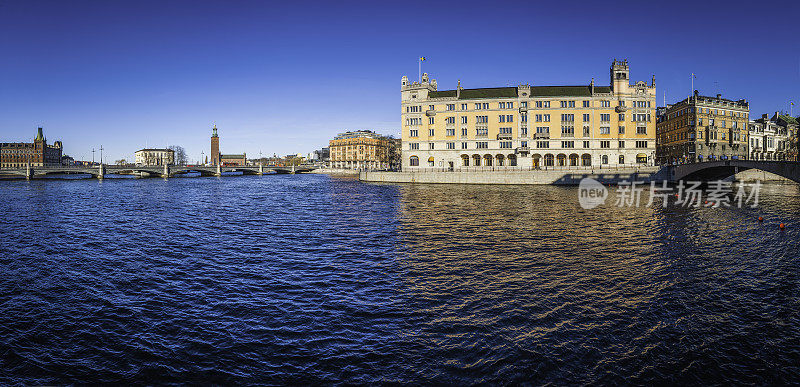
529, 126
702, 128
360, 150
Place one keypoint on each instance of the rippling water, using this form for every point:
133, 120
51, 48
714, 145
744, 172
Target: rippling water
312, 279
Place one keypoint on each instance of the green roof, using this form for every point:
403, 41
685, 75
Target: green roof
511, 92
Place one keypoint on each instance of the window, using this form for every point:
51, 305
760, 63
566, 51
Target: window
567, 131
621, 144
546, 118
586, 118
481, 132
463, 145
523, 144
542, 129
586, 144
481, 145
622, 103
622, 116
477, 106
464, 132
451, 145
641, 144
450, 120
482, 119
413, 146
641, 130
505, 130
451, 106
430, 145
523, 132
605, 130
605, 117
413, 133
463, 106
430, 120
621, 130
505, 144
543, 144
523, 104
430, 132
463, 120
605, 144
451, 132
567, 117
605, 103
568, 144
586, 131
413, 161
523, 118
585, 104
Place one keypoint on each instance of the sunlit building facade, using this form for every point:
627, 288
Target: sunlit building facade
35, 154
529, 126
360, 150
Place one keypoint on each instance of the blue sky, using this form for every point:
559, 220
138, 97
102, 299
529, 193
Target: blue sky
285, 77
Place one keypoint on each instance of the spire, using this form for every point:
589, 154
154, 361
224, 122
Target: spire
39, 135
214, 133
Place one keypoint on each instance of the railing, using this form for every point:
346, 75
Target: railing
596, 168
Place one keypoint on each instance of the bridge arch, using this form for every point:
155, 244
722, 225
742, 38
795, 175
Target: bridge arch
717, 170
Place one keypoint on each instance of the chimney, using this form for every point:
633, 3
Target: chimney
719, 96
591, 86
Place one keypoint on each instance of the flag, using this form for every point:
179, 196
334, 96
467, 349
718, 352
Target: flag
422, 58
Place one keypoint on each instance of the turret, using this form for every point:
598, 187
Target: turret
39, 135
620, 76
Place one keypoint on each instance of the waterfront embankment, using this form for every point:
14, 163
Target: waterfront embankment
335, 172
514, 176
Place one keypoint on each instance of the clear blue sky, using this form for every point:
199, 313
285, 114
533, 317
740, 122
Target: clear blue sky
284, 77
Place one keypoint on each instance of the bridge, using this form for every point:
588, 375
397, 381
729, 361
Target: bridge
165, 171
718, 170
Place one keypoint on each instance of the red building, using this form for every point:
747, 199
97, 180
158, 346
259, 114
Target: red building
36, 153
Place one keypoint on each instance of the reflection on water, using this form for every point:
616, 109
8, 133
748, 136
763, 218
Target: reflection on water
312, 279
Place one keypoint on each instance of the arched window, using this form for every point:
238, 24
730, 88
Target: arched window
487, 160
604, 159
622, 159
413, 161
562, 160
500, 160
465, 160
573, 160
549, 160
586, 160
512, 160
431, 162
476, 160
641, 158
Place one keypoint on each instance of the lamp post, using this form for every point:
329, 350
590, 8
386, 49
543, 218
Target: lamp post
92, 156
101, 154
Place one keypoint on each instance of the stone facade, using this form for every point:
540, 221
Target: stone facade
151, 157
528, 126
360, 150
702, 128
35, 154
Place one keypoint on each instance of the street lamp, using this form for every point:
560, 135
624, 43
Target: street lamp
92, 156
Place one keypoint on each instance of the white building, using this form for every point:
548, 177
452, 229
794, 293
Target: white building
155, 157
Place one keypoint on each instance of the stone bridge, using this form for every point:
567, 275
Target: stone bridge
165, 171
717, 170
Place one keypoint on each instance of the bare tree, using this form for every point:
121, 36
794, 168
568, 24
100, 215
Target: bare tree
121, 162
180, 154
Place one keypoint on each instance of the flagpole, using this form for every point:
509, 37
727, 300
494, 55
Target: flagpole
692, 91
420, 69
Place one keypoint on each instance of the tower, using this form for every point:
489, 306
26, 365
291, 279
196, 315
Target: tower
40, 145
620, 76
214, 147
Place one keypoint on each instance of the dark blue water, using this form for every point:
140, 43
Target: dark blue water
312, 279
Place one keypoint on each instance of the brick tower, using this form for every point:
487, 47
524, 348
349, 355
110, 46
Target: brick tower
214, 147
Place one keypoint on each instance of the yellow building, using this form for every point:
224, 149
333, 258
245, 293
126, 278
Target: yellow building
360, 149
529, 126
702, 128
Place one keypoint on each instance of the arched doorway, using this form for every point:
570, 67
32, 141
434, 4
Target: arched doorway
537, 160
586, 160
500, 160
512, 160
573, 160
476, 160
622, 159
641, 158
487, 160
413, 161
549, 160
561, 160
465, 160
604, 159
431, 162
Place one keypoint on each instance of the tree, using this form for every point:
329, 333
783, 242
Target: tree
180, 154
121, 162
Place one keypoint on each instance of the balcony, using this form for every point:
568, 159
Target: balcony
504, 136
621, 109
430, 113
541, 135
523, 109
522, 149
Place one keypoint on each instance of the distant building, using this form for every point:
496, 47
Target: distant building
322, 155
67, 160
214, 147
151, 157
360, 149
36, 153
702, 128
233, 160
